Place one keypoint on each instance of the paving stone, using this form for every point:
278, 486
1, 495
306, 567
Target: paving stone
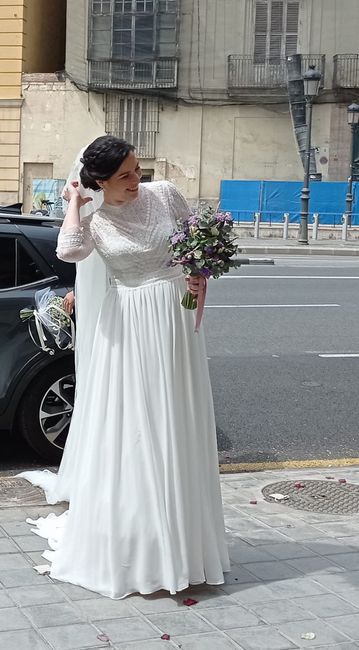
8, 546
22, 577
156, 644
342, 646
340, 529
14, 528
8, 515
238, 554
272, 570
325, 634
53, 614
178, 623
326, 605
348, 624
5, 601
302, 533
231, 617
288, 551
239, 574
347, 560
127, 629
250, 593
339, 582
268, 536
22, 640
303, 586
329, 546
13, 561
69, 637
12, 619
158, 602
31, 542
74, 592
102, 608
36, 595
281, 612
315, 565
211, 641
267, 638
351, 596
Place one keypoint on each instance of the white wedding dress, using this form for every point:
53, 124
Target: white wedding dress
140, 467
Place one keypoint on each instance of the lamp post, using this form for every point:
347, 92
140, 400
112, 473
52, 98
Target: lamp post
311, 80
353, 121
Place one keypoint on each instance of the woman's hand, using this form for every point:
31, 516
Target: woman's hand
193, 282
69, 302
72, 192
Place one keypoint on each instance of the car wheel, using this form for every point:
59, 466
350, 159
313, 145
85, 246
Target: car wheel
45, 412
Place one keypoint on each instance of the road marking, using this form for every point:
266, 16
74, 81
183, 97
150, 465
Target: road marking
232, 468
346, 355
267, 306
289, 277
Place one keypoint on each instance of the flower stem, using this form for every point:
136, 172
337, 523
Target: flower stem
189, 301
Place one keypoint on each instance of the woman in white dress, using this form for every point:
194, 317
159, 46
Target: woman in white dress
140, 467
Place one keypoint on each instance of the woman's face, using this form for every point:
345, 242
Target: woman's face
123, 184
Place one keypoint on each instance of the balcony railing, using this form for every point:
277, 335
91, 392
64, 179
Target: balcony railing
112, 75
245, 73
346, 71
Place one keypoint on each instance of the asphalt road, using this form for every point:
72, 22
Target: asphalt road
276, 396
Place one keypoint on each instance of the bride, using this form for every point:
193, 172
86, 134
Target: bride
140, 467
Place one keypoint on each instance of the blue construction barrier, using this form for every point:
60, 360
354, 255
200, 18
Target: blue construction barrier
274, 198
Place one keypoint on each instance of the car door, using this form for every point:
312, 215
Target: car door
22, 273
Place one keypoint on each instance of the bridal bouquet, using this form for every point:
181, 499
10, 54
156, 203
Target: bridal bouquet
204, 245
49, 318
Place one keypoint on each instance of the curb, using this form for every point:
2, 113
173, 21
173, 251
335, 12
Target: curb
255, 260
299, 250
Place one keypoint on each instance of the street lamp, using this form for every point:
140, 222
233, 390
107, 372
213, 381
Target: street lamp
311, 79
353, 121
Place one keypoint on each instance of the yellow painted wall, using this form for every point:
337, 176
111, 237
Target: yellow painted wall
11, 63
44, 37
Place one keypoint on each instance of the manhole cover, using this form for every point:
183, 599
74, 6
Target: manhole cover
18, 492
316, 496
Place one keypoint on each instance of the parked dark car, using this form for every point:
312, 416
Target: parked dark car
36, 389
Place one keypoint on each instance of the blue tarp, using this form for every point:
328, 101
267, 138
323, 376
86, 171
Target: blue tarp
273, 198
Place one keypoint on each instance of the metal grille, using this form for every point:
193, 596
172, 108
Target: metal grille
136, 120
315, 496
346, 71
244, 72
276, 30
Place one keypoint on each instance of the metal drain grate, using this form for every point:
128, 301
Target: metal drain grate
315, 496
18, 492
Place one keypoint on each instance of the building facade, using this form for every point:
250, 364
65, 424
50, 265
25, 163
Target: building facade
199, 86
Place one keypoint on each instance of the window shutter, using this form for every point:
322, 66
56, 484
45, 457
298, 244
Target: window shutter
261, 29
292, 17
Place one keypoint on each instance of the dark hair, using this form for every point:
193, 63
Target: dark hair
101, 160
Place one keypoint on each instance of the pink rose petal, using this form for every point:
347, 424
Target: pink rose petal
103, 637
253, 502
165, 637
330, 478
299, 485
342, 480
190, 601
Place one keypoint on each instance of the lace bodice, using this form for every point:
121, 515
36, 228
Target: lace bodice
131, 238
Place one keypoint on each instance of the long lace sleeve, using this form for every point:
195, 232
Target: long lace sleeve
178, 204
75, 243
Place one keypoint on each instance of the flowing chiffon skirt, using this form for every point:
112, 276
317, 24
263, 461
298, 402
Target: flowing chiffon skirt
140, 467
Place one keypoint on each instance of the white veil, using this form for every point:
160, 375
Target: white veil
90, 289
91, 282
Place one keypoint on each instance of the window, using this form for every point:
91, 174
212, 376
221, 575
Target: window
16, 265
136, 120
133, 30
276, 30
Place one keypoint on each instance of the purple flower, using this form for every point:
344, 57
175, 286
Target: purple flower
178, 237
209, 249
193, 220
206, 272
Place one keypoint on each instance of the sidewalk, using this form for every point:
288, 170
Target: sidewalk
275, 246
294, 584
